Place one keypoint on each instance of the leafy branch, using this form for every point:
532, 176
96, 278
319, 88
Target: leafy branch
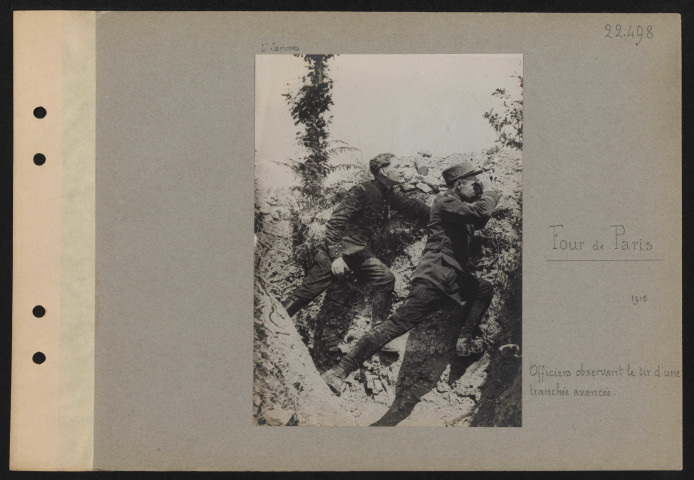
309, 108
508, 124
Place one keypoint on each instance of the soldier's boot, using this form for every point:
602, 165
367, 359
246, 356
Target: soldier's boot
468, 342
380, 308
335, 377
468, 345
292, 305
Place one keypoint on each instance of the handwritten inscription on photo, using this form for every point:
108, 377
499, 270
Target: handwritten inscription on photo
634, 32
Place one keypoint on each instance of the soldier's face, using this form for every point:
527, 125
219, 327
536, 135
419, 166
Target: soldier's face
466, 189
392, 174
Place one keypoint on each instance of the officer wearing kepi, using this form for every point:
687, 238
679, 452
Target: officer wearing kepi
440, 276
363, 210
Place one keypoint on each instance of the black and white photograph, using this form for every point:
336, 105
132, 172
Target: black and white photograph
388, 232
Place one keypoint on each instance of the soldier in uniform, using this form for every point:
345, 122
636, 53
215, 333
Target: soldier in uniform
364, 209
440, 276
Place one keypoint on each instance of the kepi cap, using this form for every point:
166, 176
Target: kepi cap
462, 170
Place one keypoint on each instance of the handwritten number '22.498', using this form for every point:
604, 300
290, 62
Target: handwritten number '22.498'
638, 31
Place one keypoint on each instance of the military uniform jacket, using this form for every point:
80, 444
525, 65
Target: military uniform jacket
451, 228
364, 209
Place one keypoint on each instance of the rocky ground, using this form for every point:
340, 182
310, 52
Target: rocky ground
425, 385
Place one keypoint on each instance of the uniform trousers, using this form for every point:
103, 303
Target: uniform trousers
365, 267
424, 298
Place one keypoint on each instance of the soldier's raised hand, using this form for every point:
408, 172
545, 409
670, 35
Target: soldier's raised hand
486, 182
339, 267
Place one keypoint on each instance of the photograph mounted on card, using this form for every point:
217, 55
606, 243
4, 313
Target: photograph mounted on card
230, 221
388, 240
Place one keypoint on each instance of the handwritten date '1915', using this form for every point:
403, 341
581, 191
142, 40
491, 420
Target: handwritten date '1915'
636, 299
637, 31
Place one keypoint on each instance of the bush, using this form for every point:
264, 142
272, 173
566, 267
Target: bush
508, 124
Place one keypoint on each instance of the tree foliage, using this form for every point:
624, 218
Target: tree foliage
508, 124
310, 108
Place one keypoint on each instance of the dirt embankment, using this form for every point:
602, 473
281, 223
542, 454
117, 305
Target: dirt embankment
427, 384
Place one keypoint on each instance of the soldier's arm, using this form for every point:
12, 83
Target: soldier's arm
410, 206
350, 205
476, 213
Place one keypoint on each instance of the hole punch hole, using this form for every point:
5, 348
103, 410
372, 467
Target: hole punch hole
38, 358
39, 159
39, 311
39, 112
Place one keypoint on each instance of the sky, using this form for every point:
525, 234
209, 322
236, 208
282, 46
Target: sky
400, 104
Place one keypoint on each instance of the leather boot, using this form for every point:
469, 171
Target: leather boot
335, 377
468, 345
293, 305
380, 308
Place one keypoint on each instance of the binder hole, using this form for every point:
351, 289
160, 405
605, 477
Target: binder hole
39, 159
38, 358
39, 112
39, 311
